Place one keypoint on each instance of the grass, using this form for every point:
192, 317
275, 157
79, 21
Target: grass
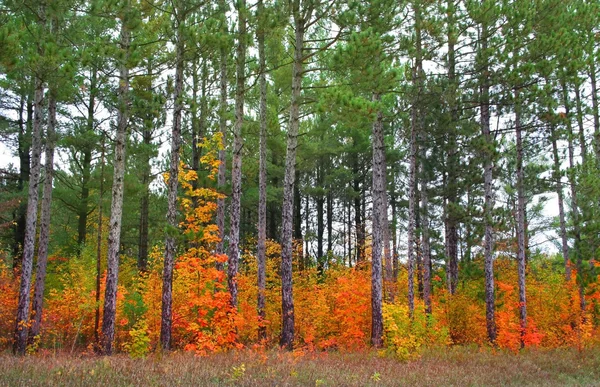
453, 366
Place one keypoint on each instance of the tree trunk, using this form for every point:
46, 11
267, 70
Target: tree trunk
142, 262
262, 177
349, 210
417, 72
488, 155
42, 260
287, 303
82, 213
305, 258
387, 256
556, 176
20, 337
395, 262
520, 221
116, 209
574, 201
360, 236
450, 221
86, 166
272, 208
595, 112
561, 206
426, 249
170, 241
24, 173
298, 209
582, 142
221, 178
320, 204
99, 249
412, 198
379, 212
198, 119
329, 222
236, 170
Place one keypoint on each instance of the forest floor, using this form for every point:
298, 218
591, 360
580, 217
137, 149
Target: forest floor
453, 366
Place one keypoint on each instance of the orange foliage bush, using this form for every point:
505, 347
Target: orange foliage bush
9, 297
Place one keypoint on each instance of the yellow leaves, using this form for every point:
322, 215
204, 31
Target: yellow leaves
139, 344
405, 338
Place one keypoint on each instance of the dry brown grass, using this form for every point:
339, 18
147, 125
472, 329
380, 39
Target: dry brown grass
453, 366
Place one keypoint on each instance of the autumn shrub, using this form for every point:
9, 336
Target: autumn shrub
248, 294
9, 297
407, 337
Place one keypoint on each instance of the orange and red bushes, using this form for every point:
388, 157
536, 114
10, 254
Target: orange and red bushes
248, 295
465, 316
349, 294
9, 297
330, 312
203, 318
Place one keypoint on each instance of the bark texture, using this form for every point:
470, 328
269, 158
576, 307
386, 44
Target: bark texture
287, 302
221, 178
417, 71
425, 242
379, 212
450, 220
116, 209
521, 252
561, 206
575, 211
99, 248
488, 184
42, 260
236, 170
21, 330
170, 242
262, 176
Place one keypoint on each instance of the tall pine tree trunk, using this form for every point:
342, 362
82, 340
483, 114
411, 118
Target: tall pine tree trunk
170, 241
561, 206
24, 139
379, 211
142, 261
349, 235
84, 195
329, 221
450, 221
425, 242
262, 177
99, 249
521, 259
236, 170
595, 112
287, 303
582, 142
395, 263
42, 260
574, 199
116, 209
488, 186
417, 72
21, 324
360, 236
223, 131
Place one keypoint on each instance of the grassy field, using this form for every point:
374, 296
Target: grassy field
453, 366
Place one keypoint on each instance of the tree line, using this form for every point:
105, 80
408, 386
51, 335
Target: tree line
395, 136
